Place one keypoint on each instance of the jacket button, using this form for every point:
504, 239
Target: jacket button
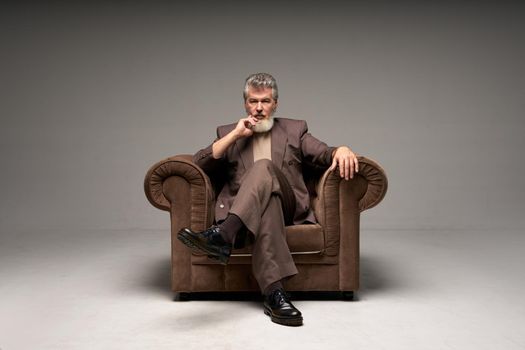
290, 162
221, 206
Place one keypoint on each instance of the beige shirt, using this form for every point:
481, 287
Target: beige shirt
262, 146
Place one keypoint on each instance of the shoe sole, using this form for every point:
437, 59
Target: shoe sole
294, 322
185, 236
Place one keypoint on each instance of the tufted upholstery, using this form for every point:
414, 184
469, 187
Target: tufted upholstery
326, 254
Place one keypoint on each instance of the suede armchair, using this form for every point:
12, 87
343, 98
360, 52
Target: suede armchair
326, 253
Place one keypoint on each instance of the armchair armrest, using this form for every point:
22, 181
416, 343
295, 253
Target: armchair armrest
377, 183
177, 181
339, 200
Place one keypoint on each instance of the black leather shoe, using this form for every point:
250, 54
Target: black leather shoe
278, 306
208, 241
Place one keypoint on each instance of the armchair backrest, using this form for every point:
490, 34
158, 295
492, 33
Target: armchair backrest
312, 173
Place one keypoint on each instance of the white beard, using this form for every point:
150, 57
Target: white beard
264, 125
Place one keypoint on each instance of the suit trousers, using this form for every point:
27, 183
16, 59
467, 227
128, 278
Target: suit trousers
265, 203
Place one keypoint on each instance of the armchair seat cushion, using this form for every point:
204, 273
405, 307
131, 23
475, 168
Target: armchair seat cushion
307, 239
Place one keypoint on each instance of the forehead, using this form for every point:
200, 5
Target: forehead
259, 93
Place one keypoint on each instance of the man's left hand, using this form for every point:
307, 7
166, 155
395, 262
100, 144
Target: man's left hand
347, 161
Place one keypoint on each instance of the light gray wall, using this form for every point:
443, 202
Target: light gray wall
92, 95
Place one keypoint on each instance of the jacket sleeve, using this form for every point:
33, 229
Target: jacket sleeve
315, 151
205, 160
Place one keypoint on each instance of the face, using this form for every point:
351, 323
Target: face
259, 103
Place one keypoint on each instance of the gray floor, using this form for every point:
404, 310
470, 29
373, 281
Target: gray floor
110, 290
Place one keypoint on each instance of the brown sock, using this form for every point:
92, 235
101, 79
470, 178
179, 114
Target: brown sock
273, 287
230, 227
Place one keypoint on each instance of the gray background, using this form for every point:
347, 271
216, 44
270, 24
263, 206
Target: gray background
94, 94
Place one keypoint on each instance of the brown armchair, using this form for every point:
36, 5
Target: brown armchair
326, 254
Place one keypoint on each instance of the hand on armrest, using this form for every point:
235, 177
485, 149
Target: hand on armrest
339, 199
369, 186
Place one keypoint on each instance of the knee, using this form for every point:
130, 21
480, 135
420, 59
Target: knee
265, 165
262, 171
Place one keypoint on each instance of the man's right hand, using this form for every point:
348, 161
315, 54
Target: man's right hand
244, 126
242, 129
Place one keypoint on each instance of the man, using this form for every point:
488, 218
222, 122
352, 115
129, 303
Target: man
260, 159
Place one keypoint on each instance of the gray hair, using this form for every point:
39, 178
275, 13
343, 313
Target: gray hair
261, 80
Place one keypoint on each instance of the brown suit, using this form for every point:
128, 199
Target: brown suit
291, 147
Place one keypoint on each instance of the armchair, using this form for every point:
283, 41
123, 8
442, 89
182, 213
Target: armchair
326, 253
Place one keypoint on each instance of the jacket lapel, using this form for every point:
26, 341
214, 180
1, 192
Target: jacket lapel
279, 140
245, 148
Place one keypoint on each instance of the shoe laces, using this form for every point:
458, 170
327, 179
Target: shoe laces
214, 236
280, 297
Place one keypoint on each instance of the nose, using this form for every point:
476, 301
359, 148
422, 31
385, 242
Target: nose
259, 107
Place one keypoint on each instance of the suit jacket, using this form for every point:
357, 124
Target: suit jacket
292, 147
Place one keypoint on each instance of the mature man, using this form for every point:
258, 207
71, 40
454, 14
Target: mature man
260, 159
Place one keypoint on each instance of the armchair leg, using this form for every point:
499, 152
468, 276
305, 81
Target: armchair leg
182, 296
347, 295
